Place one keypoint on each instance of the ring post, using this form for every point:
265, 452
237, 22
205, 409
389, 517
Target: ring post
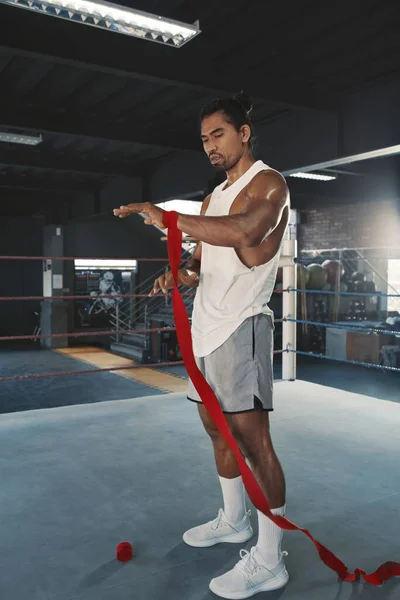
289, 309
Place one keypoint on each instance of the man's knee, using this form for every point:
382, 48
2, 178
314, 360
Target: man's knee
245, 444
252, 441
210, 426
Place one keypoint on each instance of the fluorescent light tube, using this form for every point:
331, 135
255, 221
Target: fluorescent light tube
114, 17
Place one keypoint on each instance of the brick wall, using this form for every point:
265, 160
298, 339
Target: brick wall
353, 225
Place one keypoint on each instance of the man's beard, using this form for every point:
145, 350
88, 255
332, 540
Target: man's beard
225, 166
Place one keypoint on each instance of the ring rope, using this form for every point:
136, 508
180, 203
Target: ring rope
345, 360
84, 334
330, 292
104, 370
87, 297
4, 257
87, 371
345, 327
7, 338
314, 259
210, 401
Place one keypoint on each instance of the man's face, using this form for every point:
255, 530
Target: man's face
223, 144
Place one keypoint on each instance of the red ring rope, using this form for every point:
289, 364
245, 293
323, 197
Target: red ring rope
100, 296
174, 363
5, 257
385, 571
47, 336
89, 371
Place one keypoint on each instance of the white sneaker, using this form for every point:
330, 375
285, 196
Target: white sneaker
219, 530
250, 576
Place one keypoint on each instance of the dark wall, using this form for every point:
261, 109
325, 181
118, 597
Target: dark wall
109, 237
350, 225
105, 236
179, 174
371, 117
368, 119
20, 237
291, 141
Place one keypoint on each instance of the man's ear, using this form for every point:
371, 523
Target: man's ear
246, 133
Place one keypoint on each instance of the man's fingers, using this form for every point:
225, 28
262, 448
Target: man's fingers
155, 289
121, 213
124, 211
163, 284
190, 277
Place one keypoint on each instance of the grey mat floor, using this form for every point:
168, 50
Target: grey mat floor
32, 394
77, 480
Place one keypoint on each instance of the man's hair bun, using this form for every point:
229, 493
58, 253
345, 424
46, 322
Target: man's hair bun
244, 101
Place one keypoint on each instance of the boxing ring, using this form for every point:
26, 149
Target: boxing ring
77, 480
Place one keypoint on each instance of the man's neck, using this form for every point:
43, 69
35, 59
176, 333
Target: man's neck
239, 169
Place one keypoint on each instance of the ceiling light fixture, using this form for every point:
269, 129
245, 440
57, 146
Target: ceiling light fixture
18, 138
314, 176
114, 17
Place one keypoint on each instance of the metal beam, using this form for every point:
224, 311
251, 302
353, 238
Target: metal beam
32, 35
130, 132
41, 160
345, 172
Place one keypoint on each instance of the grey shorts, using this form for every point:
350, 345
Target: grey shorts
240, 372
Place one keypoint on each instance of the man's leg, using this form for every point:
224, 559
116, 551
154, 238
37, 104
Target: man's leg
232, 524
225, 459
262, 569
252, 432
228, 471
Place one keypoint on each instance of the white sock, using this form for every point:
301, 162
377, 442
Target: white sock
270, 537
233, 492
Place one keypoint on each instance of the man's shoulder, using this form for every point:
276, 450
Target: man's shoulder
205, 204
266, 180
269, 174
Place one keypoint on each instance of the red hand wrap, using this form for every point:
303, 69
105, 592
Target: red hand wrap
385, 571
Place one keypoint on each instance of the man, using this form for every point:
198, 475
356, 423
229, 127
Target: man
234, 266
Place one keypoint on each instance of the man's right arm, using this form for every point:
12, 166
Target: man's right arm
194, 262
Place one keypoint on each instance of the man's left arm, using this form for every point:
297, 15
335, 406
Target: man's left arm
260, 213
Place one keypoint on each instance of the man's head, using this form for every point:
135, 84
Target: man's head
226, 130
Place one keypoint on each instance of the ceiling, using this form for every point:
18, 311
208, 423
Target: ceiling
108, 105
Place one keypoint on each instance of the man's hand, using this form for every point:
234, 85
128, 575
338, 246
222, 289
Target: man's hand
154, 214
166, 281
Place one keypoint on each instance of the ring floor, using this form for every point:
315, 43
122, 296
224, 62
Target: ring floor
77, 480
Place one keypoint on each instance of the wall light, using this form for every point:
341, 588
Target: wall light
315, 176
89, 264
113, 17
17, 138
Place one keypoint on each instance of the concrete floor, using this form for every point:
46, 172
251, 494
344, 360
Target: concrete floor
77, 480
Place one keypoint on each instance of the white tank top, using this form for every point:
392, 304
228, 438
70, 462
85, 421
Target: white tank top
228, 291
